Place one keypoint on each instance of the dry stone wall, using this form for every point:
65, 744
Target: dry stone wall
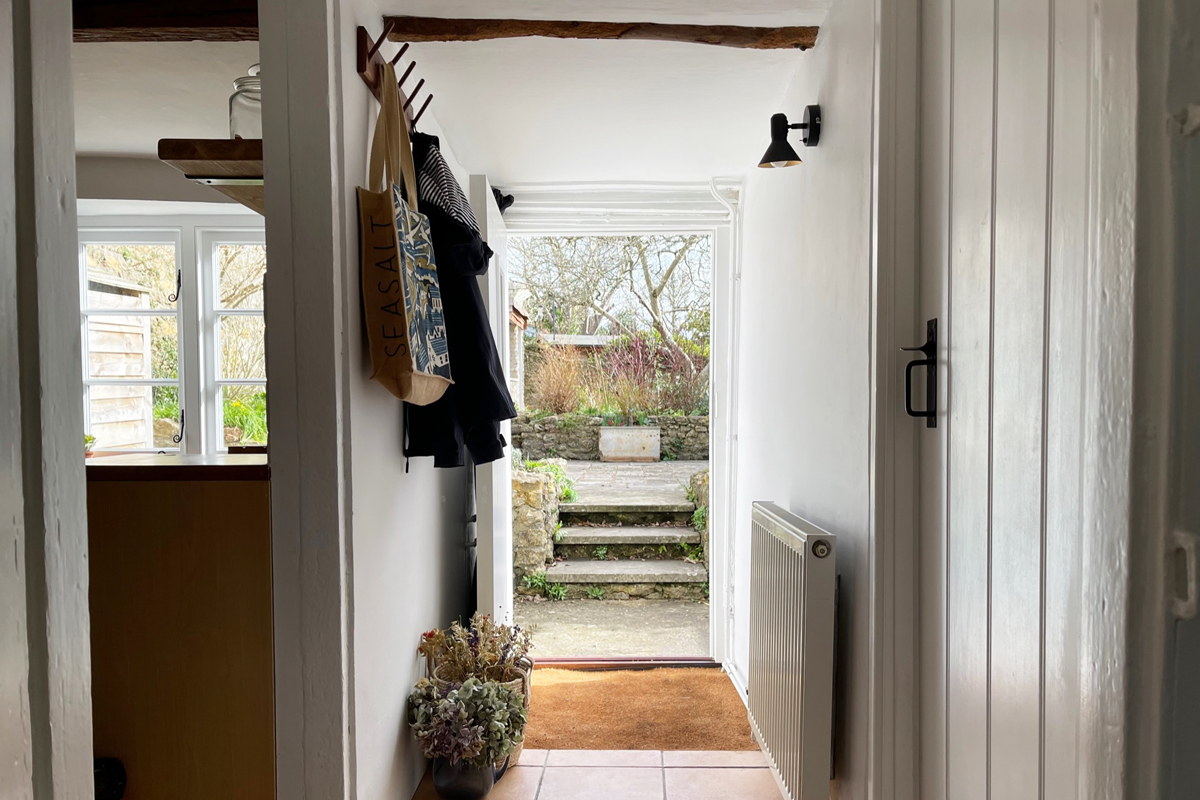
535, 519
576, 437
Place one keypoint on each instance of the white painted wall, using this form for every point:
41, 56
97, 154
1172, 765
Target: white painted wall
367, 555
804, 360
408, 528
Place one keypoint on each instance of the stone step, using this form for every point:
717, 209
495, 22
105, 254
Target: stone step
626, 572
626, 535
627, 505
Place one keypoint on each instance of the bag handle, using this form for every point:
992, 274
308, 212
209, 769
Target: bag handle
391, 150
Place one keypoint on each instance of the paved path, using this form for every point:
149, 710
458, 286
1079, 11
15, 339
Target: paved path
616, 627
663, 482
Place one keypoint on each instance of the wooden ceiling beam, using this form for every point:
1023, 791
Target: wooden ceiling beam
160, 21
432, 29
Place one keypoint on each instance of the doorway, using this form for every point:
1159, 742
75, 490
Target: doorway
611, 445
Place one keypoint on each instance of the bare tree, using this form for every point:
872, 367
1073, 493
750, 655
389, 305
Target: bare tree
611, 284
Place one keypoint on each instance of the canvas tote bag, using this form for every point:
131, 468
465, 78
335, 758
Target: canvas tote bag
401, 299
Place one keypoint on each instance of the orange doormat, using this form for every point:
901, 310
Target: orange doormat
655, 709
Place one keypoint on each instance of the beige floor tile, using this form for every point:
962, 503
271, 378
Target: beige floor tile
721, 784
533, 758
714, 758
604, 758
602, 783
519, 783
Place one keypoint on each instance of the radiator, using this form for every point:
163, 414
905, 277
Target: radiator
792, 616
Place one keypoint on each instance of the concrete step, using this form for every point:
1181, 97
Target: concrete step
631, 535
626, 572
627, 505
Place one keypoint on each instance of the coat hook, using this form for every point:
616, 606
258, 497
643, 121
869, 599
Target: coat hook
391, 23
424, 106
414, 94
407, 72
398, 55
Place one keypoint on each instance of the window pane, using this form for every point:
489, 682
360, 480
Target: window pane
242, 269
244, 412
243, 348
133, 347
134, 417
130, 275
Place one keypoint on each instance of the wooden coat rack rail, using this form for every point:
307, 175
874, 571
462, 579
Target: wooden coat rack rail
370, 68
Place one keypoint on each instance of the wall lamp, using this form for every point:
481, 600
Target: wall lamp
780, 153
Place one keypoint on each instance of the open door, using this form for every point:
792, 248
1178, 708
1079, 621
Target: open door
493, 481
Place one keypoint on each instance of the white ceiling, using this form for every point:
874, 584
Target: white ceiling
130, 95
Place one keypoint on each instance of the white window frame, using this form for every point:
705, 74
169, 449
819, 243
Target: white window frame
194, 310
133, 236
208, 239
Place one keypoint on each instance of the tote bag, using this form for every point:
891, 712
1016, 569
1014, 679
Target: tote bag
401, 300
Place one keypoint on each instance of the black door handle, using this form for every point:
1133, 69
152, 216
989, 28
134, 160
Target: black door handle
929, 349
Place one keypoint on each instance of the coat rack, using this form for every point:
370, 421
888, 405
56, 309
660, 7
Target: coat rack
370, 68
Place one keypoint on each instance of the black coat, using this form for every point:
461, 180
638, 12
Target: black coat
470, 411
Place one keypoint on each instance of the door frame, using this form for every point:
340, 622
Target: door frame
722, 435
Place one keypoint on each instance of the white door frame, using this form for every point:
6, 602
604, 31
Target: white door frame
45, 653
493, 482
722, 382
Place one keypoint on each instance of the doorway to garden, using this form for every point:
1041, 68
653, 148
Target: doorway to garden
610, 350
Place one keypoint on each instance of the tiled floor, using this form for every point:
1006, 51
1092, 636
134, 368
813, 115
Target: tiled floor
633, 775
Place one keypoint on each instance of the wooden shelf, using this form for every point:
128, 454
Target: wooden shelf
231, 166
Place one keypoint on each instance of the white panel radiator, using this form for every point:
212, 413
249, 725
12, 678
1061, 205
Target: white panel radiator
792, 615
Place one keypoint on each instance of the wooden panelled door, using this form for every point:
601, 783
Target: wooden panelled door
1005, 148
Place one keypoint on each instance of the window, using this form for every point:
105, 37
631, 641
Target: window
173, 338
131, 340
236, 387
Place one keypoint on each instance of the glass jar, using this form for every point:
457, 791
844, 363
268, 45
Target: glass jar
245, 106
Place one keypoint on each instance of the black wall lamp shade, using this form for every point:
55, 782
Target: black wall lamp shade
782, 154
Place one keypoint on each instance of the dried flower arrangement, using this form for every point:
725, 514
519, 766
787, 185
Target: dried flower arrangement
486, 650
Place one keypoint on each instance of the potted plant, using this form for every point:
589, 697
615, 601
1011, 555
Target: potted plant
467, 729
89, 442
484, 649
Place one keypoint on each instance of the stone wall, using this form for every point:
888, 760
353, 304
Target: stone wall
535, 519
576, 437
699, 490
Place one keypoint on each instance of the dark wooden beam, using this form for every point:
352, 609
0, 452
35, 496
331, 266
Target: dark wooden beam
431, 29
165, 21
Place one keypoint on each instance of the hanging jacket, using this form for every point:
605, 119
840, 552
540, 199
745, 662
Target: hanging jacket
469, 413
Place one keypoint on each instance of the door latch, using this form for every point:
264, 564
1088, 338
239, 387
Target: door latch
929, 349
1184, 599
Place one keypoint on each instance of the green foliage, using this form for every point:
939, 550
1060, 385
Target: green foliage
692, 552
600, 553
479, 722
556, 591
558, 533
89, 442
691, 493
166, 402
247, 412
536, 581
700, 519
596, 592
566, 486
